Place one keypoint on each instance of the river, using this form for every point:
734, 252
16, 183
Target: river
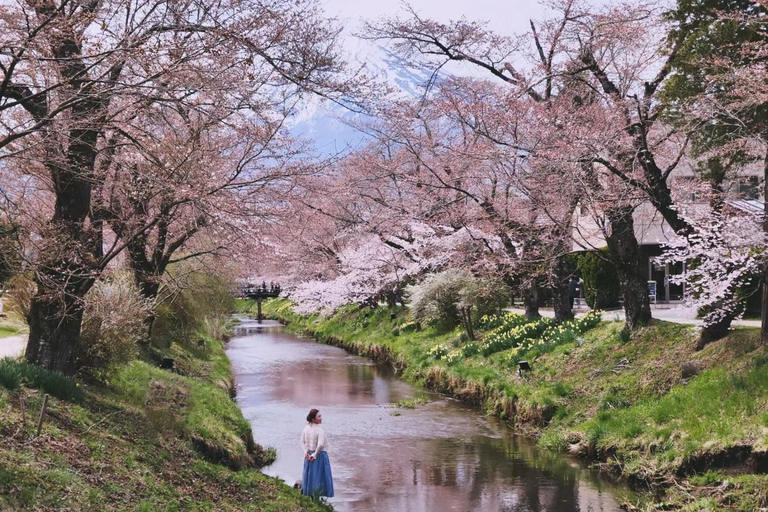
439, 456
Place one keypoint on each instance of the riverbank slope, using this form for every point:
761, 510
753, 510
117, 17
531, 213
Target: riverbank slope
692, 425
147, 440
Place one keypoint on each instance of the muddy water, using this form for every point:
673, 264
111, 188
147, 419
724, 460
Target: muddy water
442, 456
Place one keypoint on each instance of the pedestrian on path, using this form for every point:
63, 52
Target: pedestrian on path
573, 291
316, 479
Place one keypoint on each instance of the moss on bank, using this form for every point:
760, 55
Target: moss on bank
149, 440
649, 407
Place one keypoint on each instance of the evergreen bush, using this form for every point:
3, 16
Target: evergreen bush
601, 282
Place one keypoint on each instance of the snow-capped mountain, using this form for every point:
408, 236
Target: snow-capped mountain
328, 124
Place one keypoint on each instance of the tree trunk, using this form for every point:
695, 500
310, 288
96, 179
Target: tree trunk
466, 319
625, 252
715, 331
531, 301
391, 298
764, 306
146, 276
68, 266
149, 288
764, 309
54, 331
561, 290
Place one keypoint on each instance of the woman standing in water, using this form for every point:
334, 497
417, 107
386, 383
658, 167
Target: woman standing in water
316, 480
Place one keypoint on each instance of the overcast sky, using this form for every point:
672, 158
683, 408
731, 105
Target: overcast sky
504, 16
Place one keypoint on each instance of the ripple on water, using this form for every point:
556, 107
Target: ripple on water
438, 456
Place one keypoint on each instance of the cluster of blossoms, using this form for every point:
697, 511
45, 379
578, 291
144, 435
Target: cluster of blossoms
443, 351
556, 335
505, 337
519, 339
488, 322
468, 350
438, 351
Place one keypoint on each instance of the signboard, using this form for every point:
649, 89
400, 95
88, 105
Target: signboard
652, 291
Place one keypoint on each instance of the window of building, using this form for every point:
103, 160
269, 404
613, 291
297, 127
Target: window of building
748, 188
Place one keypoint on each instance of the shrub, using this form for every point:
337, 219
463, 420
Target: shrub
197, 302
114, 322
21, 289
440, 298
601, 282
10, 374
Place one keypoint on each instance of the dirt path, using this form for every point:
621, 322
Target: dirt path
13, 346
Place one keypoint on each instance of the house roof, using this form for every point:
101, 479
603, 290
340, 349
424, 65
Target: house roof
750, 206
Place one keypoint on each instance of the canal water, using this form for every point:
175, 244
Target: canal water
440, 456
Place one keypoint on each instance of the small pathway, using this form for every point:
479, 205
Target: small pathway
676, 315
13, 346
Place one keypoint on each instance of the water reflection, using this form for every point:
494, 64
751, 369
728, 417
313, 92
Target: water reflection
440, 456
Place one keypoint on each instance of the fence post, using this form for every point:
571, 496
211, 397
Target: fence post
42, 414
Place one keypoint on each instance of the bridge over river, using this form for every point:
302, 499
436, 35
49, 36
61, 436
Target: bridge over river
259, 293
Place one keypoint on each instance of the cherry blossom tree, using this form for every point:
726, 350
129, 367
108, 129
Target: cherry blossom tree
719, 91
351, 232
553, 79
74, 73
600, 73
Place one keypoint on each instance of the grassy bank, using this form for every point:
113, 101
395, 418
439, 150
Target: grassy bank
147, 440
693, 425
11, 324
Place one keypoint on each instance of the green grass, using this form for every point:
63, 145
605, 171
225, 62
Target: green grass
12, 324
14, 373
621, 400
206, 413
147, 440
8, 330
411, 403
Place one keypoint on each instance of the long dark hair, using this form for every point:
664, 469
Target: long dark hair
311, 416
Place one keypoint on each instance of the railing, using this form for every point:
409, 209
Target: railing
259, 293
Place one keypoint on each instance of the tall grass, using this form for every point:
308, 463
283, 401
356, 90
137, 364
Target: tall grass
14, 373
710, 411
10, 374
8, 330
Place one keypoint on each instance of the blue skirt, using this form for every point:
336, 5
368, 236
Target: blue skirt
316, 480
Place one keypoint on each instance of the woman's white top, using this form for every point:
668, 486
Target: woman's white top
313, 438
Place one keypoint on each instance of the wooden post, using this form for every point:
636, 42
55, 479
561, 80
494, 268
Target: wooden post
42, 414
258, 301
23, 404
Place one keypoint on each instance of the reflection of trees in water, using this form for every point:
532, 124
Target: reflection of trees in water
423, 474
320, 382
504, 468
359, 380
478, 474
